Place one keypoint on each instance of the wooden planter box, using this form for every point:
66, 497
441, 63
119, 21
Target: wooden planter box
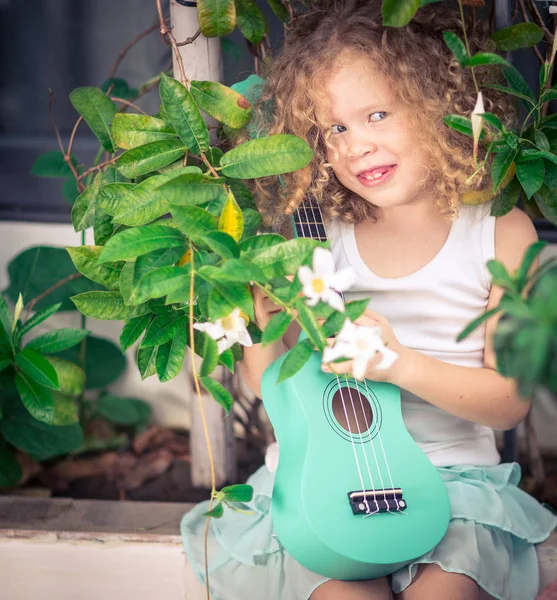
64, 549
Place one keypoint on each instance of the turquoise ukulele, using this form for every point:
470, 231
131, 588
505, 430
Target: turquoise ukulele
354, 497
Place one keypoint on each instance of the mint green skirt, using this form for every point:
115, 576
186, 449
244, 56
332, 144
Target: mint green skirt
494, 526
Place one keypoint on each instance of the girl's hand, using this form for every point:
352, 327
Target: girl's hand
372, 319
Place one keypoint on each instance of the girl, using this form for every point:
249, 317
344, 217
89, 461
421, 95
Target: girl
389, 176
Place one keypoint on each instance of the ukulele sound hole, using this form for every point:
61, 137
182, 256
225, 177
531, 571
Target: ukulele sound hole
351, 403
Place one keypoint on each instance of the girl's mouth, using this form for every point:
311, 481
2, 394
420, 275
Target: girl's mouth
376, 176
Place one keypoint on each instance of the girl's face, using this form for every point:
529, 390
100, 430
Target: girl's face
378, 153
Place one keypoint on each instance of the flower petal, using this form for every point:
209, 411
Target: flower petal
388, 358
323, 262
223, 344
214, 330
359, 366
244, 338
333, 300
343, 279
305, 275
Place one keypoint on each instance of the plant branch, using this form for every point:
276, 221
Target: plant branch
527, 20
166, 32
70, 145
128, 103
467, 44
534, 10
58, 284
99, 166
128, 47
67, 156
190, 40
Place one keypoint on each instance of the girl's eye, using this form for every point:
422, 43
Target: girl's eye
382, 115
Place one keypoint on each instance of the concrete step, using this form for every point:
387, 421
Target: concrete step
64, 549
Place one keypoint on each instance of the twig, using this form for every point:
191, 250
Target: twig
166, 32
190, 40
128, 103
527, 20
126, 49
58, 284
66, 155
70, 145
99, 166
540, 20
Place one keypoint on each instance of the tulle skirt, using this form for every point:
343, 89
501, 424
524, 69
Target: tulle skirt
494, 526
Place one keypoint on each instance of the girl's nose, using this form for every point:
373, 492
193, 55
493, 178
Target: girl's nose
360, 146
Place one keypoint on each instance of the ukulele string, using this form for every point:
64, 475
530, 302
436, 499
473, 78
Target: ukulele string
318, 218
337, 378
367, 424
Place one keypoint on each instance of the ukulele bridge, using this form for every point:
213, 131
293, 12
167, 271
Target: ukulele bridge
368, 502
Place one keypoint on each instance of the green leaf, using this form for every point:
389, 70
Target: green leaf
163, 328
192, 188
195, 222
500, 274
521, 35
182, 111
276, 328
6, 317
506, 199
140, 240
501, 164
493, 120
295, 359
37, 269
456, 46
53, 164
335, 320
55, 341
238, 493
217, 18
70, 192
36, 438
266, 156
83, 210
282, 259
486, 58
149, 157
550, 178
531, 175
541, 141
279, 9
226, 296
37, 368
263, 240
98, 111
236, 270
222, 103
37, 318
119, 88
120, 411
85, 260
65, 409
397, 13
104, 362
70, 375
219, 392
106, 306
10, 469
518, 83
218, 510
222, 243
163, 281
546, 200
146, 361
529, 257
476, 323
36, 398
251, 21
130, 130
210, 356
309, 321
132, 330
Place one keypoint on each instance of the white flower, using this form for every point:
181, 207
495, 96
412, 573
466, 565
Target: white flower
323, 283
227, 331
477, 121
360, 344
272, 457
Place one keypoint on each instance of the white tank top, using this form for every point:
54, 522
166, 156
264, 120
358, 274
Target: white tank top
427, 310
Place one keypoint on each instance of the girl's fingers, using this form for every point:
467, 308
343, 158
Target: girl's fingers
340, 368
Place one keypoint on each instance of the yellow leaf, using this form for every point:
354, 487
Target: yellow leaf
231, 219
473, 198
186, 258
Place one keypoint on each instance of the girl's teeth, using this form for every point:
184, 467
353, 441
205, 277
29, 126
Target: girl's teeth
376, 176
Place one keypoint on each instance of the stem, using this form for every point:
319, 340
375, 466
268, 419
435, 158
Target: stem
97, 167
203, 417
166, 32
527, 20
51, 289
467, 45
128, 47
70, 145
128, 103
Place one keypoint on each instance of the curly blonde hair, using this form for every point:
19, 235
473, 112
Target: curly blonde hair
425, 75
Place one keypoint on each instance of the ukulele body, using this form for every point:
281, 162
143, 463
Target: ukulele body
319, 509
